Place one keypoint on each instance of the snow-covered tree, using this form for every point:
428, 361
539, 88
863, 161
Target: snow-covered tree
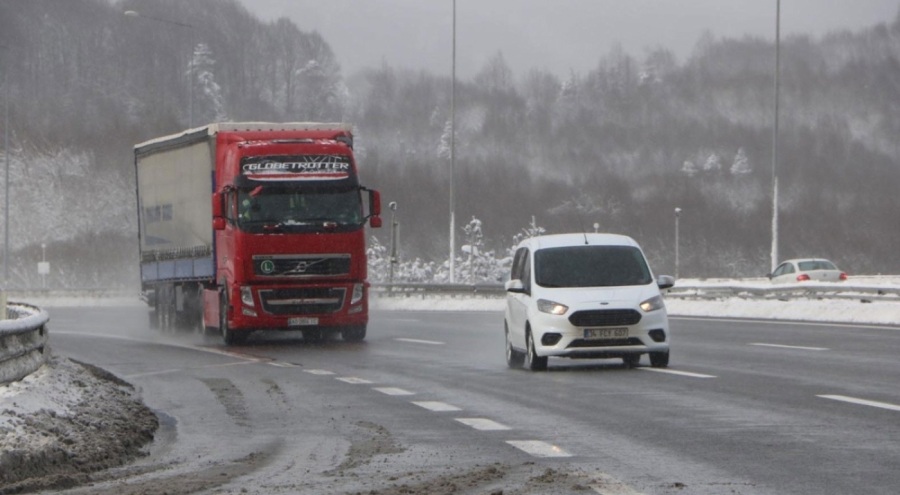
713, 163
208, 101
741, 163
689, 169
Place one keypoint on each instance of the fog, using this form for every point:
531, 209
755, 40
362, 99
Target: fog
554, 35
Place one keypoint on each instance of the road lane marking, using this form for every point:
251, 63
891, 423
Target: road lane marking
419, 341
394, 391
283, 365
679, 373
354, 380
538, 448
319, 372
799, 347
862, 402
437, 406
483, 424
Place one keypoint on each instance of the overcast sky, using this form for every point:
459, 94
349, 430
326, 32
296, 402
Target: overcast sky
556, 35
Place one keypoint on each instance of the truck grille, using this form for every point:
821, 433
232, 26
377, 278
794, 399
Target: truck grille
308, 301
329, 265
605, 318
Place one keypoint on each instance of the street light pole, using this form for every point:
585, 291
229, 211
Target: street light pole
453, 153
677, 257
190, 28
393, 260
774, 253
6, 157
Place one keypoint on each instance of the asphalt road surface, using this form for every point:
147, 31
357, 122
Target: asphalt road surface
426, 404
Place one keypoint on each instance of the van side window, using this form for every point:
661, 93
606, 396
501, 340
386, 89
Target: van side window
526, 272
516, 272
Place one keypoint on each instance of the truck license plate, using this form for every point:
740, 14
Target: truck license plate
605, 333
302, 322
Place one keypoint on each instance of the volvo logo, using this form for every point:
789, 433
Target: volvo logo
304, 265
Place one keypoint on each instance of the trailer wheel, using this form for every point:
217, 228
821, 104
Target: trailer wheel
228, 335
354, 334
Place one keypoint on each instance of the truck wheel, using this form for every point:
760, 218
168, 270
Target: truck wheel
354, 334
313, 335
228, 335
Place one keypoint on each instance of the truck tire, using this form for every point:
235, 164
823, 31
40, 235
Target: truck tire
354, 334
228, 335
313, 335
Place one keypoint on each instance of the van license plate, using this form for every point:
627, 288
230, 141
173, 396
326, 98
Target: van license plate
302, 322
605, 333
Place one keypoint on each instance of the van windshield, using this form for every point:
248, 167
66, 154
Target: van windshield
590, 266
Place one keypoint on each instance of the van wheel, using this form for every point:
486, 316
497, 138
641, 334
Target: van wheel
631, 360
659, 359
532, 360
514, 358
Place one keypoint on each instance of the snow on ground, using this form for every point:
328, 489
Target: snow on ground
48, 415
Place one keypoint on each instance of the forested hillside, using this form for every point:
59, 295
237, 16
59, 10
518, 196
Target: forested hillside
620, 146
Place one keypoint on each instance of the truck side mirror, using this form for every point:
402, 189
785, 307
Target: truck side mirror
217, 206
374, 209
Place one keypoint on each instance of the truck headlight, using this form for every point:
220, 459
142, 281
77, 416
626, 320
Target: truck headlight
358, 291
247, 296
653, 304
554, 308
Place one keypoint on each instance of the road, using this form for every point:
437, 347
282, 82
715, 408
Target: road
427, 405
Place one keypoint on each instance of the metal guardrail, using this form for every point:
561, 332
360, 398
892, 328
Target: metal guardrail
24, 342
865, 293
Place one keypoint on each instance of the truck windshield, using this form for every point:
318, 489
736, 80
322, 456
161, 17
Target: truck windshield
590, 266
282, 210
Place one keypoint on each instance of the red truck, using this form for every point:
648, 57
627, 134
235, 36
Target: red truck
255, 226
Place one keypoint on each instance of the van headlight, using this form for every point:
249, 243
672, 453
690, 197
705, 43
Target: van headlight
553, 308
653, 304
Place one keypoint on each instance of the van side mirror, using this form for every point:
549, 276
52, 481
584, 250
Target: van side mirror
665, 281
515, 286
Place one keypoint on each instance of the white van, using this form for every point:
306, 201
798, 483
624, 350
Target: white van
584, 296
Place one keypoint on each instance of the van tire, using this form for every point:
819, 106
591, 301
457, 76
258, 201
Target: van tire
659, 359
514, 358
532, 360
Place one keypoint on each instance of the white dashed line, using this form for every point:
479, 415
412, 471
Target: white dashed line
319, 372
419, 341
278, 364
679, 373
538, 448
437, 406
394, 391
354, 380
802, 348
862, 402
483, 424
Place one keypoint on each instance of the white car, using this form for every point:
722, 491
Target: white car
805, 270
584, 296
